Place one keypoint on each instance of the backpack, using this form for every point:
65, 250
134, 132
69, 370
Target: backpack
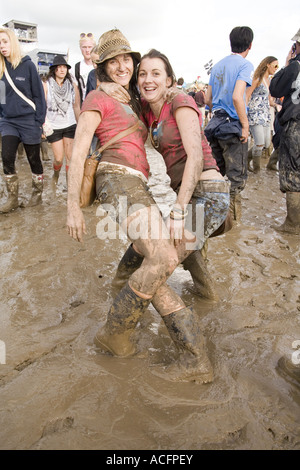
80, 81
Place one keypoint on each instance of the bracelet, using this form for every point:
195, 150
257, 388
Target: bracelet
178, 210
175, 216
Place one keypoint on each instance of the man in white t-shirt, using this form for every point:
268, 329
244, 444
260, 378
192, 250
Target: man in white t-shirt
83, 68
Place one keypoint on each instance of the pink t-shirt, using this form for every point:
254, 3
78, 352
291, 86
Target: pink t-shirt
169, 139
116, 117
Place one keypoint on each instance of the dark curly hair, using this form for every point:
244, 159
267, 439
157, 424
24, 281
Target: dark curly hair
135, 101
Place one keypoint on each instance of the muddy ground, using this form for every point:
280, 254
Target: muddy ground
58, 392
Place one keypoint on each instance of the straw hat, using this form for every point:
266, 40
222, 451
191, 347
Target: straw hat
113, 43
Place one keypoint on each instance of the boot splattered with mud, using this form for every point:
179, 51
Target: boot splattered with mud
235, 206
122, 318
203, 283
12, 186
55, 176
292, 221
37, 190
129, 263
194, 365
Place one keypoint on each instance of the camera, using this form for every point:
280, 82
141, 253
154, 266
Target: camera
294, 48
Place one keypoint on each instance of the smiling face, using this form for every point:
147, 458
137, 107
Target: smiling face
120, 69
5, 45
153, 81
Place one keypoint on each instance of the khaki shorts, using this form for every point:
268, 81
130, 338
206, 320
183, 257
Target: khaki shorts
122, 194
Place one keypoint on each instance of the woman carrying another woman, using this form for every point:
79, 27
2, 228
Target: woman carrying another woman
63, 108
123, 171
175, 132
23, 110
259, 115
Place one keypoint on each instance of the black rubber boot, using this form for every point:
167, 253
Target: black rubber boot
235, 206
122, 318
184, 328
129, 263
203, 283
287, 369
292, 221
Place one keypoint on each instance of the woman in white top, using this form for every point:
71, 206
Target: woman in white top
63, 108
259, 114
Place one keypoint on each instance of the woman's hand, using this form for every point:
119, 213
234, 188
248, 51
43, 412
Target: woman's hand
75, 223
176, 230
115, 91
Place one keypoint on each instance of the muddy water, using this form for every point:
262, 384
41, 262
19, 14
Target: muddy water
58, 392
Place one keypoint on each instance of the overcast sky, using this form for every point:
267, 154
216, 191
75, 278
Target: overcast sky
189, 32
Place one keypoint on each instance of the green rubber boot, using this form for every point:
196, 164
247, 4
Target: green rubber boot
122, 318
203, 283
184, 328
129, 263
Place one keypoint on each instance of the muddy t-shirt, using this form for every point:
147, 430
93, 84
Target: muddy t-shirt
169, 140
116, 117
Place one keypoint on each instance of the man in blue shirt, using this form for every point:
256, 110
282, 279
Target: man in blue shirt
228, 129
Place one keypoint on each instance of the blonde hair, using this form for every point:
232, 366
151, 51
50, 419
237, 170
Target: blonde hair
15, 51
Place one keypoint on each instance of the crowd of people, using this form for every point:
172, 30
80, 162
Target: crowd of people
116, 91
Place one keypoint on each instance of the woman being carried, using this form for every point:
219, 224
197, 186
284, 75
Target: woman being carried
123, 171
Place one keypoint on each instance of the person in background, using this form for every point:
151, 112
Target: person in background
83, 68
200, 101
92, 81
286, 83
179, 84
259, 113
228, 129
22, 118
63, 108
123, 171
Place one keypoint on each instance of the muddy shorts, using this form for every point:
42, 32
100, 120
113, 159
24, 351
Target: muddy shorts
59, 134
289, 157
213, 196
122, 194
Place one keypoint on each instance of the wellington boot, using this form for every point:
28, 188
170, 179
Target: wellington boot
37, 190
184, 328
203, 283
12, 186
256, 163
250, 160
235, 206
292, 221
272, 163
122, 318
55, 177
287, 369
129, 263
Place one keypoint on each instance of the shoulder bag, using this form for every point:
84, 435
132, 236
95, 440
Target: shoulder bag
88, 185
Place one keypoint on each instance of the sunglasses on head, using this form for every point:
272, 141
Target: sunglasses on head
84, 35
